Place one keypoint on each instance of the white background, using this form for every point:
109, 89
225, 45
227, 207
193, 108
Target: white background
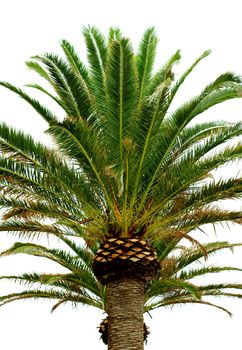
32, 27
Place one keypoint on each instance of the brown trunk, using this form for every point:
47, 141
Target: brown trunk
125, 307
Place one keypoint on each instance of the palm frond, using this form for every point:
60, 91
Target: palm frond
43, 111
96, 54
78, 67
37, 68
40, 88
51, 295
121, 92
80, 143
192, 273
193, 255
163, 74
21, 147
159, 287
180, 301
114, 34
84, 283
66, 84
145, 59
186, 73
59, 256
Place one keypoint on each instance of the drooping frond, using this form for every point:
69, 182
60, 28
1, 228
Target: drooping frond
192, 255
170, 285
51, 295
180, 301
53, 97
43, 111
83, 283
205, 270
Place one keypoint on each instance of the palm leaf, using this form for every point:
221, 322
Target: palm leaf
43, 111
180, 301
96, 54
163, 74
67, 86
39, 294
145, 59
192, 273
121, 92
187, 72
79, 69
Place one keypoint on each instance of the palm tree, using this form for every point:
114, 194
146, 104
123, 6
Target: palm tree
127, 185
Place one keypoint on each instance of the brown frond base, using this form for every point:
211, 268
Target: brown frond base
129, 257
103, 329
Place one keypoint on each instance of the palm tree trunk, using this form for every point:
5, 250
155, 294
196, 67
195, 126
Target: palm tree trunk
125, 307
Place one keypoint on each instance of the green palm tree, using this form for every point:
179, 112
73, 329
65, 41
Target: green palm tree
125, 185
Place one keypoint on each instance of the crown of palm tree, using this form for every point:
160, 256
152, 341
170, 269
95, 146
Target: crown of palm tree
124, 164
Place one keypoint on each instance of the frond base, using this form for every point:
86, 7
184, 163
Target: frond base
125, 257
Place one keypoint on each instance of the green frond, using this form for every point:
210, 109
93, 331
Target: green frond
75, 63
163, 286
84, 283
189, 219
31, 228
177, 122
145, 60
96, 54
184, 176
219, 286
214, 191
37, 68
220, 294
164, 246
114, 34
34, 182
40, 88
79, 142
152, 116
191, 136
57, 255
79, 69
194, 255
163, 74
180, 301
27, 209
52, 295
62, 178
192, 273
66, 84
121, 92
222, 89
43, 111
186, 73
34, 229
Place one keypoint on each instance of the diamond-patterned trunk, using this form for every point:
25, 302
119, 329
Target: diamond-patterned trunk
125, 307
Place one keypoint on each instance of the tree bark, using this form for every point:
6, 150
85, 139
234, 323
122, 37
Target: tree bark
125, 307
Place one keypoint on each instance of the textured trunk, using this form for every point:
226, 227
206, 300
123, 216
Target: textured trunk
125, 306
